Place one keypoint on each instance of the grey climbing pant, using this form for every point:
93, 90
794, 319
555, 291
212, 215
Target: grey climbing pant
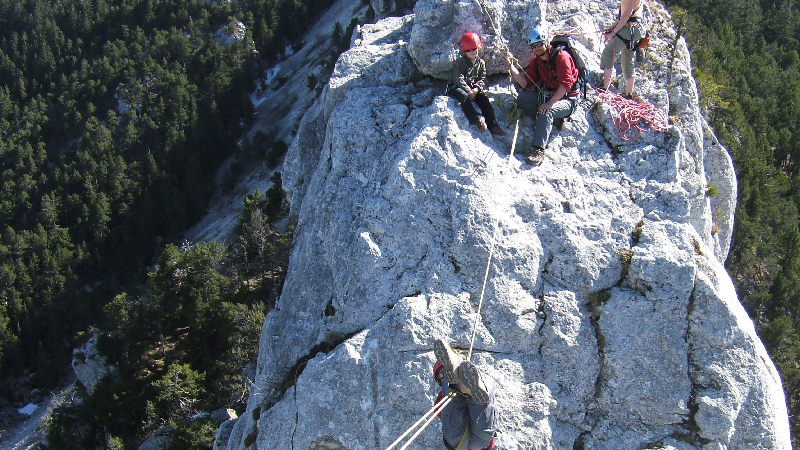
467, 424
627, 55
529, 102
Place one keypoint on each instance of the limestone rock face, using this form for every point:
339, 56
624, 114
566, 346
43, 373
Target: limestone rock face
89, 366
607, 317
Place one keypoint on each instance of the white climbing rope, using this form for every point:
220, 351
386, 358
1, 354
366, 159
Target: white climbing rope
427, 418
483, 289
436, 409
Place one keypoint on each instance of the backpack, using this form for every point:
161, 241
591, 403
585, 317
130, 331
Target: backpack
564, 42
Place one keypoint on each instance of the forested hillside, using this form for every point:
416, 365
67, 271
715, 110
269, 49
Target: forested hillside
90, 194
745, 57
114, 118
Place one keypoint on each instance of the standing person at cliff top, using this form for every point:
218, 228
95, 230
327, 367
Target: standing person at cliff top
623, 37
469, 421
550, 89
467, 80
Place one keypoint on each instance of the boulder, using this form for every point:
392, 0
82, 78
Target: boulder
160, 440
223, 435
89, 366
223, 415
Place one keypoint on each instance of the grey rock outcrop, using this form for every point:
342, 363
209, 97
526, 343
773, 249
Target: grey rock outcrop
223, 435
231, 33
608, 319
89, 366
223, 415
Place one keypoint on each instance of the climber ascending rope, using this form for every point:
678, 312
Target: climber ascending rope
469, 421
633, 117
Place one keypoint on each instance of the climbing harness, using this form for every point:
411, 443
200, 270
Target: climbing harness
632, 117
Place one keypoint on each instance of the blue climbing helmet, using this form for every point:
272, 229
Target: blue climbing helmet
536, 35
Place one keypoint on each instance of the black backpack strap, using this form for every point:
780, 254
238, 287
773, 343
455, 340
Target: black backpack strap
553, 52
576, 86
627, 42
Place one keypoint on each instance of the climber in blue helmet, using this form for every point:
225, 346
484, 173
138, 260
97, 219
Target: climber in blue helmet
548, 89
469, 421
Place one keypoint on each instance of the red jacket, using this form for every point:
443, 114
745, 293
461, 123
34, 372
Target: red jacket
565, 73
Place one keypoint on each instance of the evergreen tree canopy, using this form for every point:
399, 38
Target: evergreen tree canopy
746, 65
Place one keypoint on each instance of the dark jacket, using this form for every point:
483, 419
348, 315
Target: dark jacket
468, 75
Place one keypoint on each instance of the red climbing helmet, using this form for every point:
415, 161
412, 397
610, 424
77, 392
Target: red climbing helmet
470, 41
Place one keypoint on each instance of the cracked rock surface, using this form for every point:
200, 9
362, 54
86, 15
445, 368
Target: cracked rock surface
608, 319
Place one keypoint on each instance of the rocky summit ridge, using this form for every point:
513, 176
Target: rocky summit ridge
608, 318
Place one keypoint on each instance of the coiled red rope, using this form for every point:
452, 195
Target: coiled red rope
632, 117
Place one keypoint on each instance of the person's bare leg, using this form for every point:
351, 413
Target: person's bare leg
629, 86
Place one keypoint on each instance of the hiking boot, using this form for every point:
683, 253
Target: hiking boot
481, 124
536, 157
494, 129
450, 360
472, 380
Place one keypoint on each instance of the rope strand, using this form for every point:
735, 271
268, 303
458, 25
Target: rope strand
483, 289
427, 422
436, 409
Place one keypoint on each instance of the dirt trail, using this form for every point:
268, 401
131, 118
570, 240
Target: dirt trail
27, 434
